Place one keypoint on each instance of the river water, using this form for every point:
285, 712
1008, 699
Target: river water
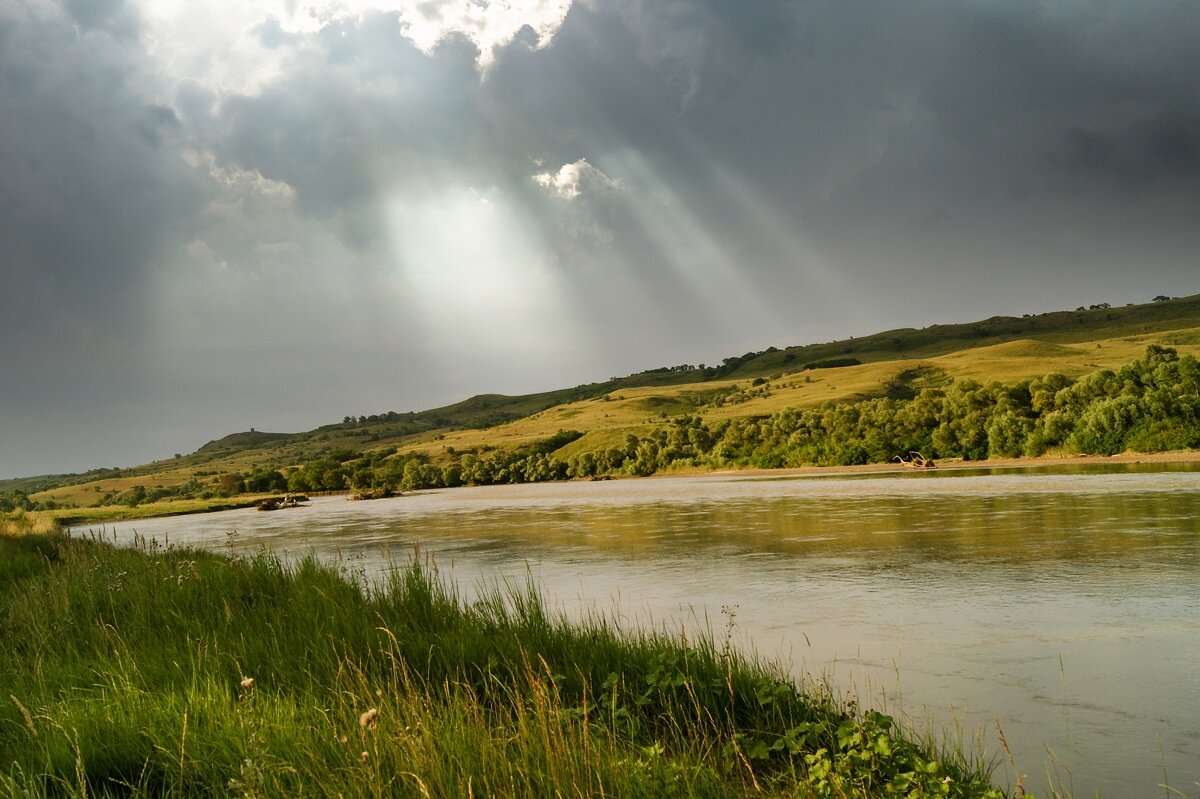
1064, 606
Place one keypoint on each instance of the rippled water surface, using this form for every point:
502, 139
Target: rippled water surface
1065, 606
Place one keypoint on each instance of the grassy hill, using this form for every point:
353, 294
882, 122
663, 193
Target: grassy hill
896, 363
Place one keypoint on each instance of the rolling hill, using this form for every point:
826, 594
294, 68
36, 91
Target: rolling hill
896, 363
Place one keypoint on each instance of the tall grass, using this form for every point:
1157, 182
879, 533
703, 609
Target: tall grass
27, 523
184, 673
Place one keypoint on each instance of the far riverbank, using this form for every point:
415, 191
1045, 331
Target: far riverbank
74, 517
1042, 462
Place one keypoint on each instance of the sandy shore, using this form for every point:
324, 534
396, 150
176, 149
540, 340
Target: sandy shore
1046, 461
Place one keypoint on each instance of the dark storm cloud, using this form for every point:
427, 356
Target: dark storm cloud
90, 195
912, 142
1164, 148
837, 117
908, 145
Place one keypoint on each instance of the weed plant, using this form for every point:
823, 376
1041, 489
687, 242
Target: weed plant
186, 673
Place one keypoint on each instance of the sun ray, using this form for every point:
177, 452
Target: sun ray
469, 269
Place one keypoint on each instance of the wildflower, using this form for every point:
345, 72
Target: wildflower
247, 683
362, 758
368, 719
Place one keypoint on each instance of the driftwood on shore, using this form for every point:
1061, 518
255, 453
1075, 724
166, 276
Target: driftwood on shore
915, 460
279, 503
373, 493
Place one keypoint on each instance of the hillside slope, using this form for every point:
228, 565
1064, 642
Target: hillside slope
896, 363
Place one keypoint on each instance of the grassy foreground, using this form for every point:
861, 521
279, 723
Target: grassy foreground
185, 673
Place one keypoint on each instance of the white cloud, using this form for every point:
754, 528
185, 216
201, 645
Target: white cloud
222, 44
573, 180
488, 24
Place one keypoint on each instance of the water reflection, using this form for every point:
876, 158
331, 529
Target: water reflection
1064, 605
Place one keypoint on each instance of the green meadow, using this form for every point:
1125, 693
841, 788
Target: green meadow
139, 673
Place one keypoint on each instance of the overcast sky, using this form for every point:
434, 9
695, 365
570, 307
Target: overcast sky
218, 214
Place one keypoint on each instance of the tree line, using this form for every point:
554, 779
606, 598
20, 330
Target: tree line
1149, 405
1152, 404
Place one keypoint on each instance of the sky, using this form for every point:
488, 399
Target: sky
225, 214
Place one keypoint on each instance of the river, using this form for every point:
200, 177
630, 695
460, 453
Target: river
1062, 605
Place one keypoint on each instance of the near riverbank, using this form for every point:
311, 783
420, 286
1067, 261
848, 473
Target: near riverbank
190, 674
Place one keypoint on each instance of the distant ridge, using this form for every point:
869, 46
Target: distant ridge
251, 438
1058, 327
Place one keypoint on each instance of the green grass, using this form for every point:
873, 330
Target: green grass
184, 673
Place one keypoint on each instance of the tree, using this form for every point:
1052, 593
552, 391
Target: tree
298, 482
452, 476
1007, 434
230, 484
135, 496
261, 480
17, 500
1105, 424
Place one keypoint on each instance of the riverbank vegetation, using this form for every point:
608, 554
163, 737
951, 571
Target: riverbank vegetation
185, 673
1149, 405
